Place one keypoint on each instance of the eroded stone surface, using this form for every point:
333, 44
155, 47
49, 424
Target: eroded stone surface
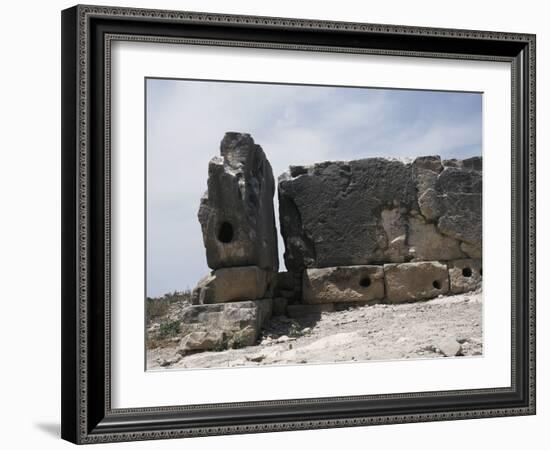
233, 284
427, 244
201, 340
426, 170
343, 284
464, 275
236, 213
328, 210
471, 250
376, 211
209, 327
415, 281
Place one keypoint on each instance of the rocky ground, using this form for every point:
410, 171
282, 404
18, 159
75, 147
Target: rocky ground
447, 326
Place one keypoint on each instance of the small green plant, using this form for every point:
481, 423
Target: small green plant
156, 307
237, 341
221, 346
294, 330
169, 329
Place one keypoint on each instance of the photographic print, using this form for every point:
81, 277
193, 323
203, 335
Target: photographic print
296, 200
300, 224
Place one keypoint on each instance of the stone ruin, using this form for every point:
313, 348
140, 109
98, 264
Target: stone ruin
368, 231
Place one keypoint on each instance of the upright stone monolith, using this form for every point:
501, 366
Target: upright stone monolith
237, 216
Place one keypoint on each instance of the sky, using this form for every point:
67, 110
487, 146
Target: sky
294, 124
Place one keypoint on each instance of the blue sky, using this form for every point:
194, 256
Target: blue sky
294, 124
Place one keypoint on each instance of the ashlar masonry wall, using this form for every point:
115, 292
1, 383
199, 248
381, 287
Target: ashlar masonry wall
379, 229
358, 232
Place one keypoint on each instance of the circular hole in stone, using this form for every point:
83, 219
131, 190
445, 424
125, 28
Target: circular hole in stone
467, 272
365, 281
436, 284
225, 234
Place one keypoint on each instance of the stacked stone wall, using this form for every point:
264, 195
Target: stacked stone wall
382, 230
357, 232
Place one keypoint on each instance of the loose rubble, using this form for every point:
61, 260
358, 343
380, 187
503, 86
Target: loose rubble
443, 327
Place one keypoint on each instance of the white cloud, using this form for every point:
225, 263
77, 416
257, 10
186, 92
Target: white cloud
294, 124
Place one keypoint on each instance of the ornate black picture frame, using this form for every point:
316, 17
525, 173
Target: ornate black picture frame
87, 34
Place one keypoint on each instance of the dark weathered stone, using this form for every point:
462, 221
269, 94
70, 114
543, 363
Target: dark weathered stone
285, 281
376, 211
431, 163
236, 213
279, 306
331, 212
475, 163
462, 218
460, 203
343, 284
453, 200
453, 162
457, 180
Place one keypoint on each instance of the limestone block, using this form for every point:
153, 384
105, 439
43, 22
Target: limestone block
232, 284
464, 275
427, 244
426, 169
415, 281
236, 213
208, 327
204, 292
201, 340
343, 284
394, 223
428, 202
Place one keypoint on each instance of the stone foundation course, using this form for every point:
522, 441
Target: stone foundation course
343, 284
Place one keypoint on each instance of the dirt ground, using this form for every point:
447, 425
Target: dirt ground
447, 326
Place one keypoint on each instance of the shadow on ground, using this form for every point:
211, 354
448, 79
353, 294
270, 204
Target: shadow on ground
53, 429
